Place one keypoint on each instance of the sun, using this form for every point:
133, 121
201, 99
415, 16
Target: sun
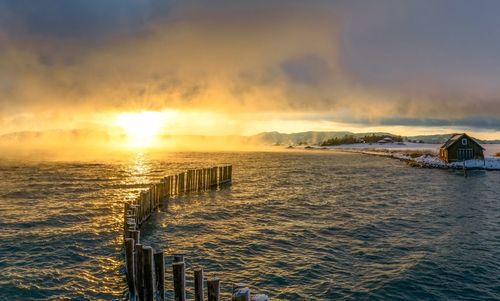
142, 128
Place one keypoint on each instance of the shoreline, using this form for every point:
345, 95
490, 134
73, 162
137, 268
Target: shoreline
424, 157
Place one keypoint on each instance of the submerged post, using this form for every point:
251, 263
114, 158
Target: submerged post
213, 289
198, 285
179, 275
159, 261
241, 294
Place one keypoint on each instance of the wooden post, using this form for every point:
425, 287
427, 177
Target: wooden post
220, 175
179, 275
199, 179
143, 206
213, 289
130, 226
139, 271
214, 176
163, 185
170, 185
156, 200
129, 256
151, 196
159, 261
202, 179
205, 171
176, 185
198, 285
189, 179
182, 179
178, 257
183, 182
135, 234
126, 209
148, 274
209, 177
135, 211
168, 181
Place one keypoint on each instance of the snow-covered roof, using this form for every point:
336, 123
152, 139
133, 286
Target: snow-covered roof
455, 137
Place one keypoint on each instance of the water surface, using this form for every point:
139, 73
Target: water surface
295, 225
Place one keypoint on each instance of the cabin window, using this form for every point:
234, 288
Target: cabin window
464, 141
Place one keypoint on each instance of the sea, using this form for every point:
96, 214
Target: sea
295, 225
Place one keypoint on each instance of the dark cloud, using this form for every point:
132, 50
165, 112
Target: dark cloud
429, 63
424, 47
490, 123
307, 69
80, 19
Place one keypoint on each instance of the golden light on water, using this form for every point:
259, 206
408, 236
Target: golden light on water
142, 128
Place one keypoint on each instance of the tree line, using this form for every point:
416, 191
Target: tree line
351, 139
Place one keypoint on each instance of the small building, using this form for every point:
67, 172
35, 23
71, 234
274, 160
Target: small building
460, 147
386, 140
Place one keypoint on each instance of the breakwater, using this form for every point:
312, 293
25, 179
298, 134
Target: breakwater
145, 267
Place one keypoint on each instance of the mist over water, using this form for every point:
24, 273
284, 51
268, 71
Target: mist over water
295, 225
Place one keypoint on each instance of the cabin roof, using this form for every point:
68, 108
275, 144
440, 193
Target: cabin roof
455, 137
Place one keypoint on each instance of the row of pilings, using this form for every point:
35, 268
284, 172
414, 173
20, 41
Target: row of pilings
145, 267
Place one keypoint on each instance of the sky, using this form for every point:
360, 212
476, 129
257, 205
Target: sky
242, 67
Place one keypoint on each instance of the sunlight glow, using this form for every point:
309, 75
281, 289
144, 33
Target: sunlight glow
142, 128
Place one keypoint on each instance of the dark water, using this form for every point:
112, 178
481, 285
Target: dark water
294, 225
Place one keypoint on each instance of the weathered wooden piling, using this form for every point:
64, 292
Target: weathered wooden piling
178, 258
198, 285
129, 256
214, 176
213, 289
176, 189
179, 277
145, 269
135, 235
139, 275
148, 273
159, 261
219, 172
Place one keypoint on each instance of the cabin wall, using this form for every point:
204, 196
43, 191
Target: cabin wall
452, 154
443, 154
478, 152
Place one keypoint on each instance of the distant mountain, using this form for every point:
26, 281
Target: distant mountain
443, 138
98, 136
438, 139
311, 137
